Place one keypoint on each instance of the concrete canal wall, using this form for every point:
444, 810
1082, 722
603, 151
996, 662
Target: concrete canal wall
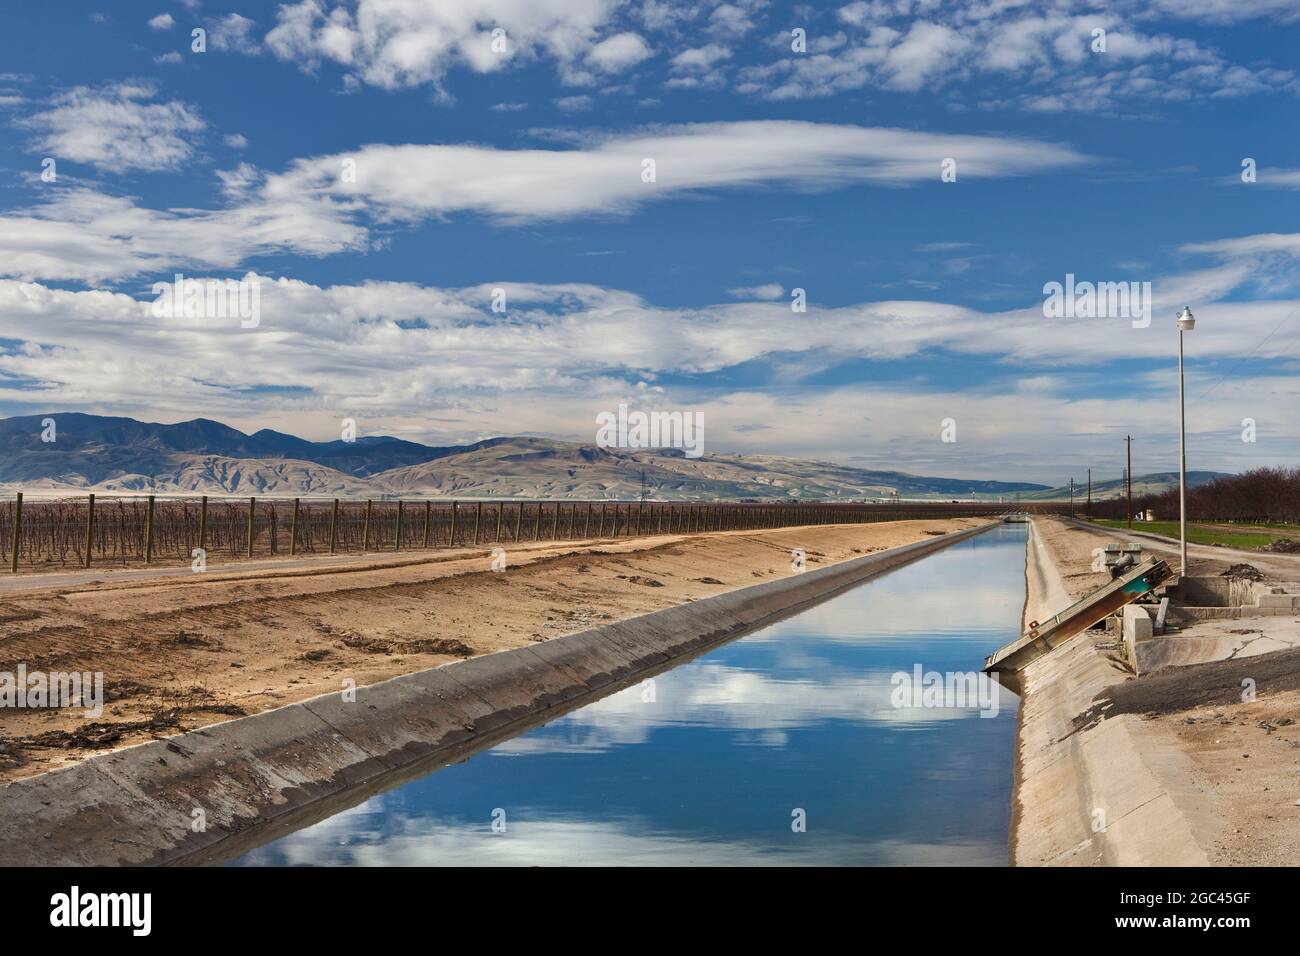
1094, 792
212, 793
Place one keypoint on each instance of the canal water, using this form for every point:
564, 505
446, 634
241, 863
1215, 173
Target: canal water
784, 747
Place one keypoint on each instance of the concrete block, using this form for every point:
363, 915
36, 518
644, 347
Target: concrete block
1286, 601
1137, 627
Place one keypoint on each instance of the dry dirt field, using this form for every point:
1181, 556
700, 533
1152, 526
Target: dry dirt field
1246, 754
188, 650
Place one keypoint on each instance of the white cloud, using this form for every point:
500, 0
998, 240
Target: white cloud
163, 21
235, 140
1046, 53
604, 175
701, 57
619, 52
564, 351
1226, 11
772, 290
1277, 178
90, 237
735, 19
702, 66
309, 209
574, 104
925, 52
402, 43
117, 128
233, 33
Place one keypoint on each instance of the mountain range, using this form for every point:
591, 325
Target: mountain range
125, 456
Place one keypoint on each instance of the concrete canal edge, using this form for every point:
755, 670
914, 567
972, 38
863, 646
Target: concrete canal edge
209, 794
1114, 794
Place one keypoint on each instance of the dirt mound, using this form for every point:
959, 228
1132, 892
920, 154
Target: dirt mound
1175, 689
1247, 571
1284, 546
426, 645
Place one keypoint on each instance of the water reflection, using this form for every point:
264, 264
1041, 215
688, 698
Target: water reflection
707, 764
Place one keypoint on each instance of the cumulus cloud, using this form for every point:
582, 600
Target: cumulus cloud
163, 21
619, 52
402, 43
1046, 50
117, 128
233, 33
1227, 11
564, 351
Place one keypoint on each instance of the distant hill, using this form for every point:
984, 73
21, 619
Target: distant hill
101, 454
96, 434
1152, 484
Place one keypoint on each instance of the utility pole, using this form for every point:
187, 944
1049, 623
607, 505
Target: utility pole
1128, 480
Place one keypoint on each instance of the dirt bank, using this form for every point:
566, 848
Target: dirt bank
1175, 767
194, 649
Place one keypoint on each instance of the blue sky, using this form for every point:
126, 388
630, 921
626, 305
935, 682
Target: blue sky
519, 168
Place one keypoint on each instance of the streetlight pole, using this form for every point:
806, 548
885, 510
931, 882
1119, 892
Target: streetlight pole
1128, 480
1186, 322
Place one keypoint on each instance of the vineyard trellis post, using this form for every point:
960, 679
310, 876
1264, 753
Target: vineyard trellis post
397, 535
252, 515
18, 530
451, 538
90, 526
365, 528
203, 524
148, 533
478, 517
334, 526
428, 506
293, 530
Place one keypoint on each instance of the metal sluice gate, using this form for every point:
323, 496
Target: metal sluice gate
1040, 638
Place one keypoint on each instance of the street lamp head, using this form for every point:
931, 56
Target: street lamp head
1186, 321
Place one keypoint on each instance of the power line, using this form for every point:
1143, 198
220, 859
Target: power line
1291, 315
